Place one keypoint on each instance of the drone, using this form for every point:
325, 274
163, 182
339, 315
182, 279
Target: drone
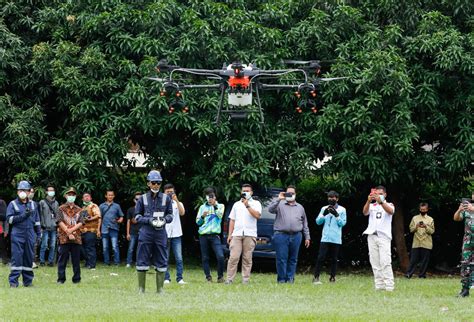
242, 84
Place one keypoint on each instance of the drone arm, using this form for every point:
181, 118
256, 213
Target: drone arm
201, 86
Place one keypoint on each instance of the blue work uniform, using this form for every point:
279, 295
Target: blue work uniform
152, 242
24, 219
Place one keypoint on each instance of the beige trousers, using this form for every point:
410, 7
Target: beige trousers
241, 245
380, 256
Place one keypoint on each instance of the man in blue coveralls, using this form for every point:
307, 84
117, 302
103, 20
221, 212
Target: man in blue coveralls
23, 217
153, 210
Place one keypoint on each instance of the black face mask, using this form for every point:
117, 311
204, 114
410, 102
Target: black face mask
423, 212
332, 202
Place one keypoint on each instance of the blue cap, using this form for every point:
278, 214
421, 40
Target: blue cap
23, 185
154, 175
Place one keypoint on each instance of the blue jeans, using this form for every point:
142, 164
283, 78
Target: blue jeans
175, 245
214, 242
131, 248
48, 241
112, 235
287, 247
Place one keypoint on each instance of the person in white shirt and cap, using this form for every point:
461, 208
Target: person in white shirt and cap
379, 237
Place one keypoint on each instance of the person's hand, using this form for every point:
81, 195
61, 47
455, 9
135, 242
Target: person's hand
307, 242
128, 237
229, 239
5, 234
98, 234
71, 237
281, 195
470, 207
246, 202
175, 197
158, 223
326, 211
461, 207
377, 198
204, 214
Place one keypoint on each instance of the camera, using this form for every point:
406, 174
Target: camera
288, 195
421, 223
466, 200
243, 196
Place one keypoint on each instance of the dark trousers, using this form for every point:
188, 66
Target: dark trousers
63, 257
333, 250
89, 240
3, 249
422, 256
207, 242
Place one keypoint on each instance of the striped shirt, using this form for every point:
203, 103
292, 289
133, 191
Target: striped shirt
211, 224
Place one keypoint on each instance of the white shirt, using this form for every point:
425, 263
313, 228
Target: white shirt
380, 221
245, 224
173, 229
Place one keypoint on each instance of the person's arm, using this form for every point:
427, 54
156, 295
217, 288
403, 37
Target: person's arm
139, 210
169, 210
430, 228
256, 213
307, 237
12, 219
128, 229
413, 225
42, 216
342, 219
95, 213
220, 211
37, 223
201, 215
458, 214
365, 209
180, 205
231, 230
273, 208
321, 219
120, 214
388, 207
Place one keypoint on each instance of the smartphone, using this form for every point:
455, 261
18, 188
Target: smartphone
421, 223
288, 194
465, 201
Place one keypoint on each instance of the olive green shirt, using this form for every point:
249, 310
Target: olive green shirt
422, 235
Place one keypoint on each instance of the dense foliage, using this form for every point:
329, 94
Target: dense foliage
74, 93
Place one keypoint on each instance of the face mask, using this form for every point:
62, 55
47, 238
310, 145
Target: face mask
290, 199
423, 212
247, 194
332, 202
209, 198
87, 203
22, 195
51, 194
71, 199
155, 190
31, 195
382, 198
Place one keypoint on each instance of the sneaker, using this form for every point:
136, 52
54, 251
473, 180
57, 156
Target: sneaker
42, 264
228, 282
316, 281
34, 265
209, 279
60, 282
389, 289
167, 282
220, 280
182, 282
332, 279
13, 285
464, 292
128, 266
50, 264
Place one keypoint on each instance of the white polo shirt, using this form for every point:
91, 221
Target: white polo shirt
245, 223
380, 221
173, 229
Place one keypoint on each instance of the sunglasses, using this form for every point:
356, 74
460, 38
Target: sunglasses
155, 182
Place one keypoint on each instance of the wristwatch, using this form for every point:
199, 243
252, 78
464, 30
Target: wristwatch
247, 207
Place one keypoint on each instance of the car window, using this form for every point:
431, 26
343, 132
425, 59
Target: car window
265, 213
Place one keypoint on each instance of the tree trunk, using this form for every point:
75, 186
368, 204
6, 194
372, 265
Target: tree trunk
399, 231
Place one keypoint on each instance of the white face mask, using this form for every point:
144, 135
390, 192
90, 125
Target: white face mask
155, 190
247, 194
22, 195
31, 195
290, 199
51, 194
71, 199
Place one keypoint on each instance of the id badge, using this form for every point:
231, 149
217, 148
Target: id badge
158, 214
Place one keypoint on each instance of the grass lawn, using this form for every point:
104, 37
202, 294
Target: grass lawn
109, 293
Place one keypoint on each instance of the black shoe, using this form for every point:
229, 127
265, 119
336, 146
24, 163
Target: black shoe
464, 292
42, 264
422, 276
50, 264
332, 279
209, 279
408, 275
220, 280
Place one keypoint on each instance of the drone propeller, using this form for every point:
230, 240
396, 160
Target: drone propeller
331, 79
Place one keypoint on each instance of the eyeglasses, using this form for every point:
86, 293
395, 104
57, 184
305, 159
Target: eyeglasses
155, 182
